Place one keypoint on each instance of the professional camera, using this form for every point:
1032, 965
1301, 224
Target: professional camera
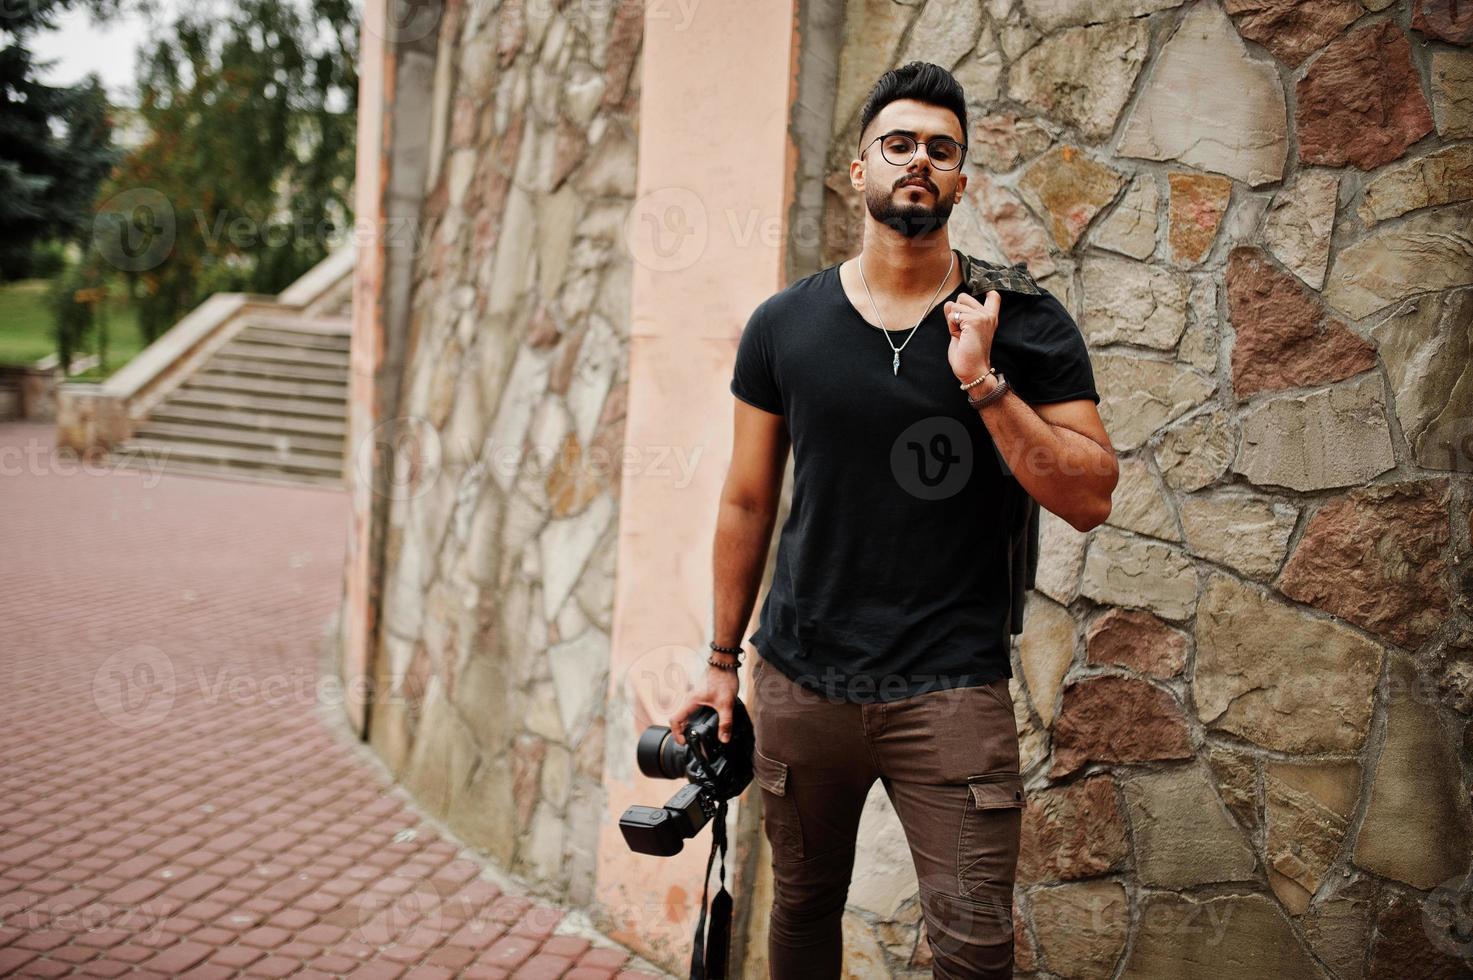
717, 771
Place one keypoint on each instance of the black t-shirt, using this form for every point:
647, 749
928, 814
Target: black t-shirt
891, 577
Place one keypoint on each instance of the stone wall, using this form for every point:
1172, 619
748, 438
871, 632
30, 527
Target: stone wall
497, 587
1244, 701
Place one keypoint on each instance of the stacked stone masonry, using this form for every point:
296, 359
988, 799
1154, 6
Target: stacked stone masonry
1243, 702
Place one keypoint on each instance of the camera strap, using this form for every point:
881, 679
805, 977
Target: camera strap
709, 953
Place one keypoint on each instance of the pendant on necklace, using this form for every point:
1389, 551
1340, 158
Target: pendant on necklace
895, 364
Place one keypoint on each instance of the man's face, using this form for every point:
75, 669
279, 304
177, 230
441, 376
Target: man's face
914, 198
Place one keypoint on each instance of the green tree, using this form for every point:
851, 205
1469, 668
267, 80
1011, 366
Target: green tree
79, 302
244, 180
55, 142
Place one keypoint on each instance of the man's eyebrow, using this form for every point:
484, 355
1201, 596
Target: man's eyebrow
914, 135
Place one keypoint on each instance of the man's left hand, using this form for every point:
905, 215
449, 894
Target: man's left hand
972, 325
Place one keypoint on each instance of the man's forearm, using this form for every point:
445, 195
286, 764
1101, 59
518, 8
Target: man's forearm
1067, 472
743, 535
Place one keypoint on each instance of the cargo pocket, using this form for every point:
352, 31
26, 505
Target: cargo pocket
1001, 693
987, 845
779, 807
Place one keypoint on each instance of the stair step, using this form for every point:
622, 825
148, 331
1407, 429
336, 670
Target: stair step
277, 404
254, 367
207, 380
263, 421
227, 471
295, 443
202, 452
257, 332
281, 354
282, 318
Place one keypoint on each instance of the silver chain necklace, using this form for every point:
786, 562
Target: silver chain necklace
895, 363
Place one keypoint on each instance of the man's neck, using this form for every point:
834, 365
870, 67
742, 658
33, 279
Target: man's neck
898, 266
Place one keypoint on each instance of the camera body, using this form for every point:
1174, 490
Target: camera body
716, 771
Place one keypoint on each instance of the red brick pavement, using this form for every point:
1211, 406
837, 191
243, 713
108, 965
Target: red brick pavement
178, 795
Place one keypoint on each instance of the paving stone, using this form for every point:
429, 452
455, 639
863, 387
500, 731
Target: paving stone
250, 775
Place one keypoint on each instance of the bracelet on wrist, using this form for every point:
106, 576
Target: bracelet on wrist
716, 648
998, 390
967, 386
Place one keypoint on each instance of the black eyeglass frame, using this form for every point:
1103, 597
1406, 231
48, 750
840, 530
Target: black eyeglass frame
917, 145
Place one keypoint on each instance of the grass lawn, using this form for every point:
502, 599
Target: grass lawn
25, 328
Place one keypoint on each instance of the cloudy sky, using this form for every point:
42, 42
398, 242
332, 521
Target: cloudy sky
78, 46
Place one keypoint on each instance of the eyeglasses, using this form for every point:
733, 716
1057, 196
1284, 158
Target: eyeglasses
944, 152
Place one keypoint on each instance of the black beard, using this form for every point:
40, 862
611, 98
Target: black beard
910, 220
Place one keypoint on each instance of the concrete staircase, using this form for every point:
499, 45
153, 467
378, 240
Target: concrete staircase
271, 404
244, 387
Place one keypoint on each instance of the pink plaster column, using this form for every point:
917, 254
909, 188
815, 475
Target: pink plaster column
361, 589
706, 234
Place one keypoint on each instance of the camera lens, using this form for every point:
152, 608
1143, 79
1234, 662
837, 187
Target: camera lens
658, 754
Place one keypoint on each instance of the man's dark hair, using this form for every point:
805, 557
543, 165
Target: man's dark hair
919, 80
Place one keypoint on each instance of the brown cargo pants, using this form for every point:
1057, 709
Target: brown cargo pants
948, 761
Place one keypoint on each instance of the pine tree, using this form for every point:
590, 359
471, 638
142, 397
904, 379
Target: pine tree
55, 142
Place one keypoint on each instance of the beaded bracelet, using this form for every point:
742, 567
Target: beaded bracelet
724, 664
979, 379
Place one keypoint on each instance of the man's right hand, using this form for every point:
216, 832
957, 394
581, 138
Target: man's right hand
718, 689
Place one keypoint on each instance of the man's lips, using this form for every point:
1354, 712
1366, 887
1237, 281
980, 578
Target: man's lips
918, 183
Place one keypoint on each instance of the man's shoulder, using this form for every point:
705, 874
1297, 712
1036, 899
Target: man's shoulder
799, 294
1023, 294
982, 275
